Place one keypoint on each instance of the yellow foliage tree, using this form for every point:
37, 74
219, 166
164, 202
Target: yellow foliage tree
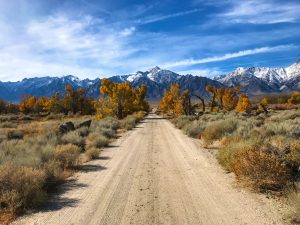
176, 103
104, 108
263, 105
171, 101
124, 98
244, 104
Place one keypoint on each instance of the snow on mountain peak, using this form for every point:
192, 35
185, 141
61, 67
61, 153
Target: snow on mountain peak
154, 70
293, 70
271, 75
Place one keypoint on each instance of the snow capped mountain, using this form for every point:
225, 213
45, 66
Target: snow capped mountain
155, 74
266, 73
260, 80
293, 71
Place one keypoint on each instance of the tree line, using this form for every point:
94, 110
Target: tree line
118, 99
176, 102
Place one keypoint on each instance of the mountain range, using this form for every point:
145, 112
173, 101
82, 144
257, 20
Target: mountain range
253, 81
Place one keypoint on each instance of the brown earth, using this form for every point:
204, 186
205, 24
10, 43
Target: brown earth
155, 175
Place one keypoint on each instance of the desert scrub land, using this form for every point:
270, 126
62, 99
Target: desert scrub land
263, 151
35, 156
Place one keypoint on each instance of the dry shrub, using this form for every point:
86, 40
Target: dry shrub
53, 173
73, 137
129, 122
8, 124
67, 155
194, 128
139, 115
108, 122
96, 140
182, 121
217, 130
21, 187
92, 153
294, 202
83, 131
264, 167
230, 146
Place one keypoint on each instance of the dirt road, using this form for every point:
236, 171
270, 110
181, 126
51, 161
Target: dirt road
154, 175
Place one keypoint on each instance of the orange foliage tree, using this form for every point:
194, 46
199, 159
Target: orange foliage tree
224, 98
244, 104
230, 98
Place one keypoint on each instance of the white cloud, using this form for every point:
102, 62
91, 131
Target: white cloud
227, 56
127, 31
61, 45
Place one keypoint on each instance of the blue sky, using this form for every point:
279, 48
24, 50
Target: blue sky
101, 38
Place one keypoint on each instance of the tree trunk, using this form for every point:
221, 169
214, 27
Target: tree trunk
202, 101
213, 102
120, 109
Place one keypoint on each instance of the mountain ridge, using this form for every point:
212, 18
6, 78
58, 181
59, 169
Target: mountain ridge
252, 80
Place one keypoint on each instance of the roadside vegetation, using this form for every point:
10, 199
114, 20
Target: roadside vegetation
258, 141
44, 140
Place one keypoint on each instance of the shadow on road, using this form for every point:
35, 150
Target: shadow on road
104, 157
90, 168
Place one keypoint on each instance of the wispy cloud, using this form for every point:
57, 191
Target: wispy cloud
262, 12
227, 56
157, 18
208, 72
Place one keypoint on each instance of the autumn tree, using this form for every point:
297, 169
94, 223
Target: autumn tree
124, 97
186, 102
295, 98
263, 105
104, 108
171, 101
53, 104
76, 101
201, 99
175, 102
230, 98
28, 104
140, 103
244, 104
